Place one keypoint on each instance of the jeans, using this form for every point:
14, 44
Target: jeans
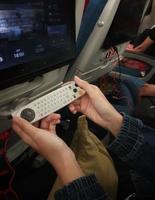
128, 94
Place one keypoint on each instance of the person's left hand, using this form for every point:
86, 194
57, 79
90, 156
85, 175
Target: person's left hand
46, 142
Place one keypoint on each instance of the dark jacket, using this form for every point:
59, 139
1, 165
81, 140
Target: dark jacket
135, 145
152, 34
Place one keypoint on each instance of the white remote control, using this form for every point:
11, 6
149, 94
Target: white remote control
50, 102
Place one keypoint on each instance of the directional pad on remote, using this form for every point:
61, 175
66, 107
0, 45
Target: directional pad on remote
28, 114
75, 90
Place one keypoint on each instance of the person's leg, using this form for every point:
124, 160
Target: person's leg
129, 71
133, 84
122, 99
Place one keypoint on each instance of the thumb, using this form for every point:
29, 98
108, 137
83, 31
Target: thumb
25, 126
84, 85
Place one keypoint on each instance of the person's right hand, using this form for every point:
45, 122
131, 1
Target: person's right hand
143, 46
96, 107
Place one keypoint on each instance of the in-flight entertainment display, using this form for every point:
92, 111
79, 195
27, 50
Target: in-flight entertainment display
35, 35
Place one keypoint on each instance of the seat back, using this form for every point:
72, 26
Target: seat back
79, 5
148, 19
95, 25
90, 17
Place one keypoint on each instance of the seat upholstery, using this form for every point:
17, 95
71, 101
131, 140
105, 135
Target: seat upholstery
90, 17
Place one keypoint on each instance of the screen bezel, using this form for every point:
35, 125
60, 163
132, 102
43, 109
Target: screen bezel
29, 70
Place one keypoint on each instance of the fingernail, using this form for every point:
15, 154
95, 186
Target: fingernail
14, 119
77, 77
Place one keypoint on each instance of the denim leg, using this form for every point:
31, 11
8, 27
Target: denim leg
134, 84
125, 103
128, 94
124, 109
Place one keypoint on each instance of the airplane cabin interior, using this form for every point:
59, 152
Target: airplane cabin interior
44, 44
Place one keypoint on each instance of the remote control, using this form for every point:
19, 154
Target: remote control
50, 102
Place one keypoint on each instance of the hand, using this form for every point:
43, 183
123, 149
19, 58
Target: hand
96, 107
129, 47
47, 143
139, 49
143, 46
44, 141
147, 90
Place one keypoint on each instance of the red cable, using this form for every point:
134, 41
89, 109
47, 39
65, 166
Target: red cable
5, 137
86, 3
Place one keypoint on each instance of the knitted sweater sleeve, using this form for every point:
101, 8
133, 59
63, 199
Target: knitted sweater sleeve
135, 145
84, 188
152, 34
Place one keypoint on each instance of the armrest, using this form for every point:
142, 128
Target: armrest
150, 60
141, 57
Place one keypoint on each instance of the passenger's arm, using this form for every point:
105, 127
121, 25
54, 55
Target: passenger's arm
97, 108
134, 143
149, 40
84, 188
46, 142
143, 46
53, 148
152, 34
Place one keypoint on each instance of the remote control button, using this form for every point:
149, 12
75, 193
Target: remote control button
75, 90
28, 114
50, 103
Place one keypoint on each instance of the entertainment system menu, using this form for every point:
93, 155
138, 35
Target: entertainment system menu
31, 30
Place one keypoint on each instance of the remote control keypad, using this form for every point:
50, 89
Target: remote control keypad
50, 103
